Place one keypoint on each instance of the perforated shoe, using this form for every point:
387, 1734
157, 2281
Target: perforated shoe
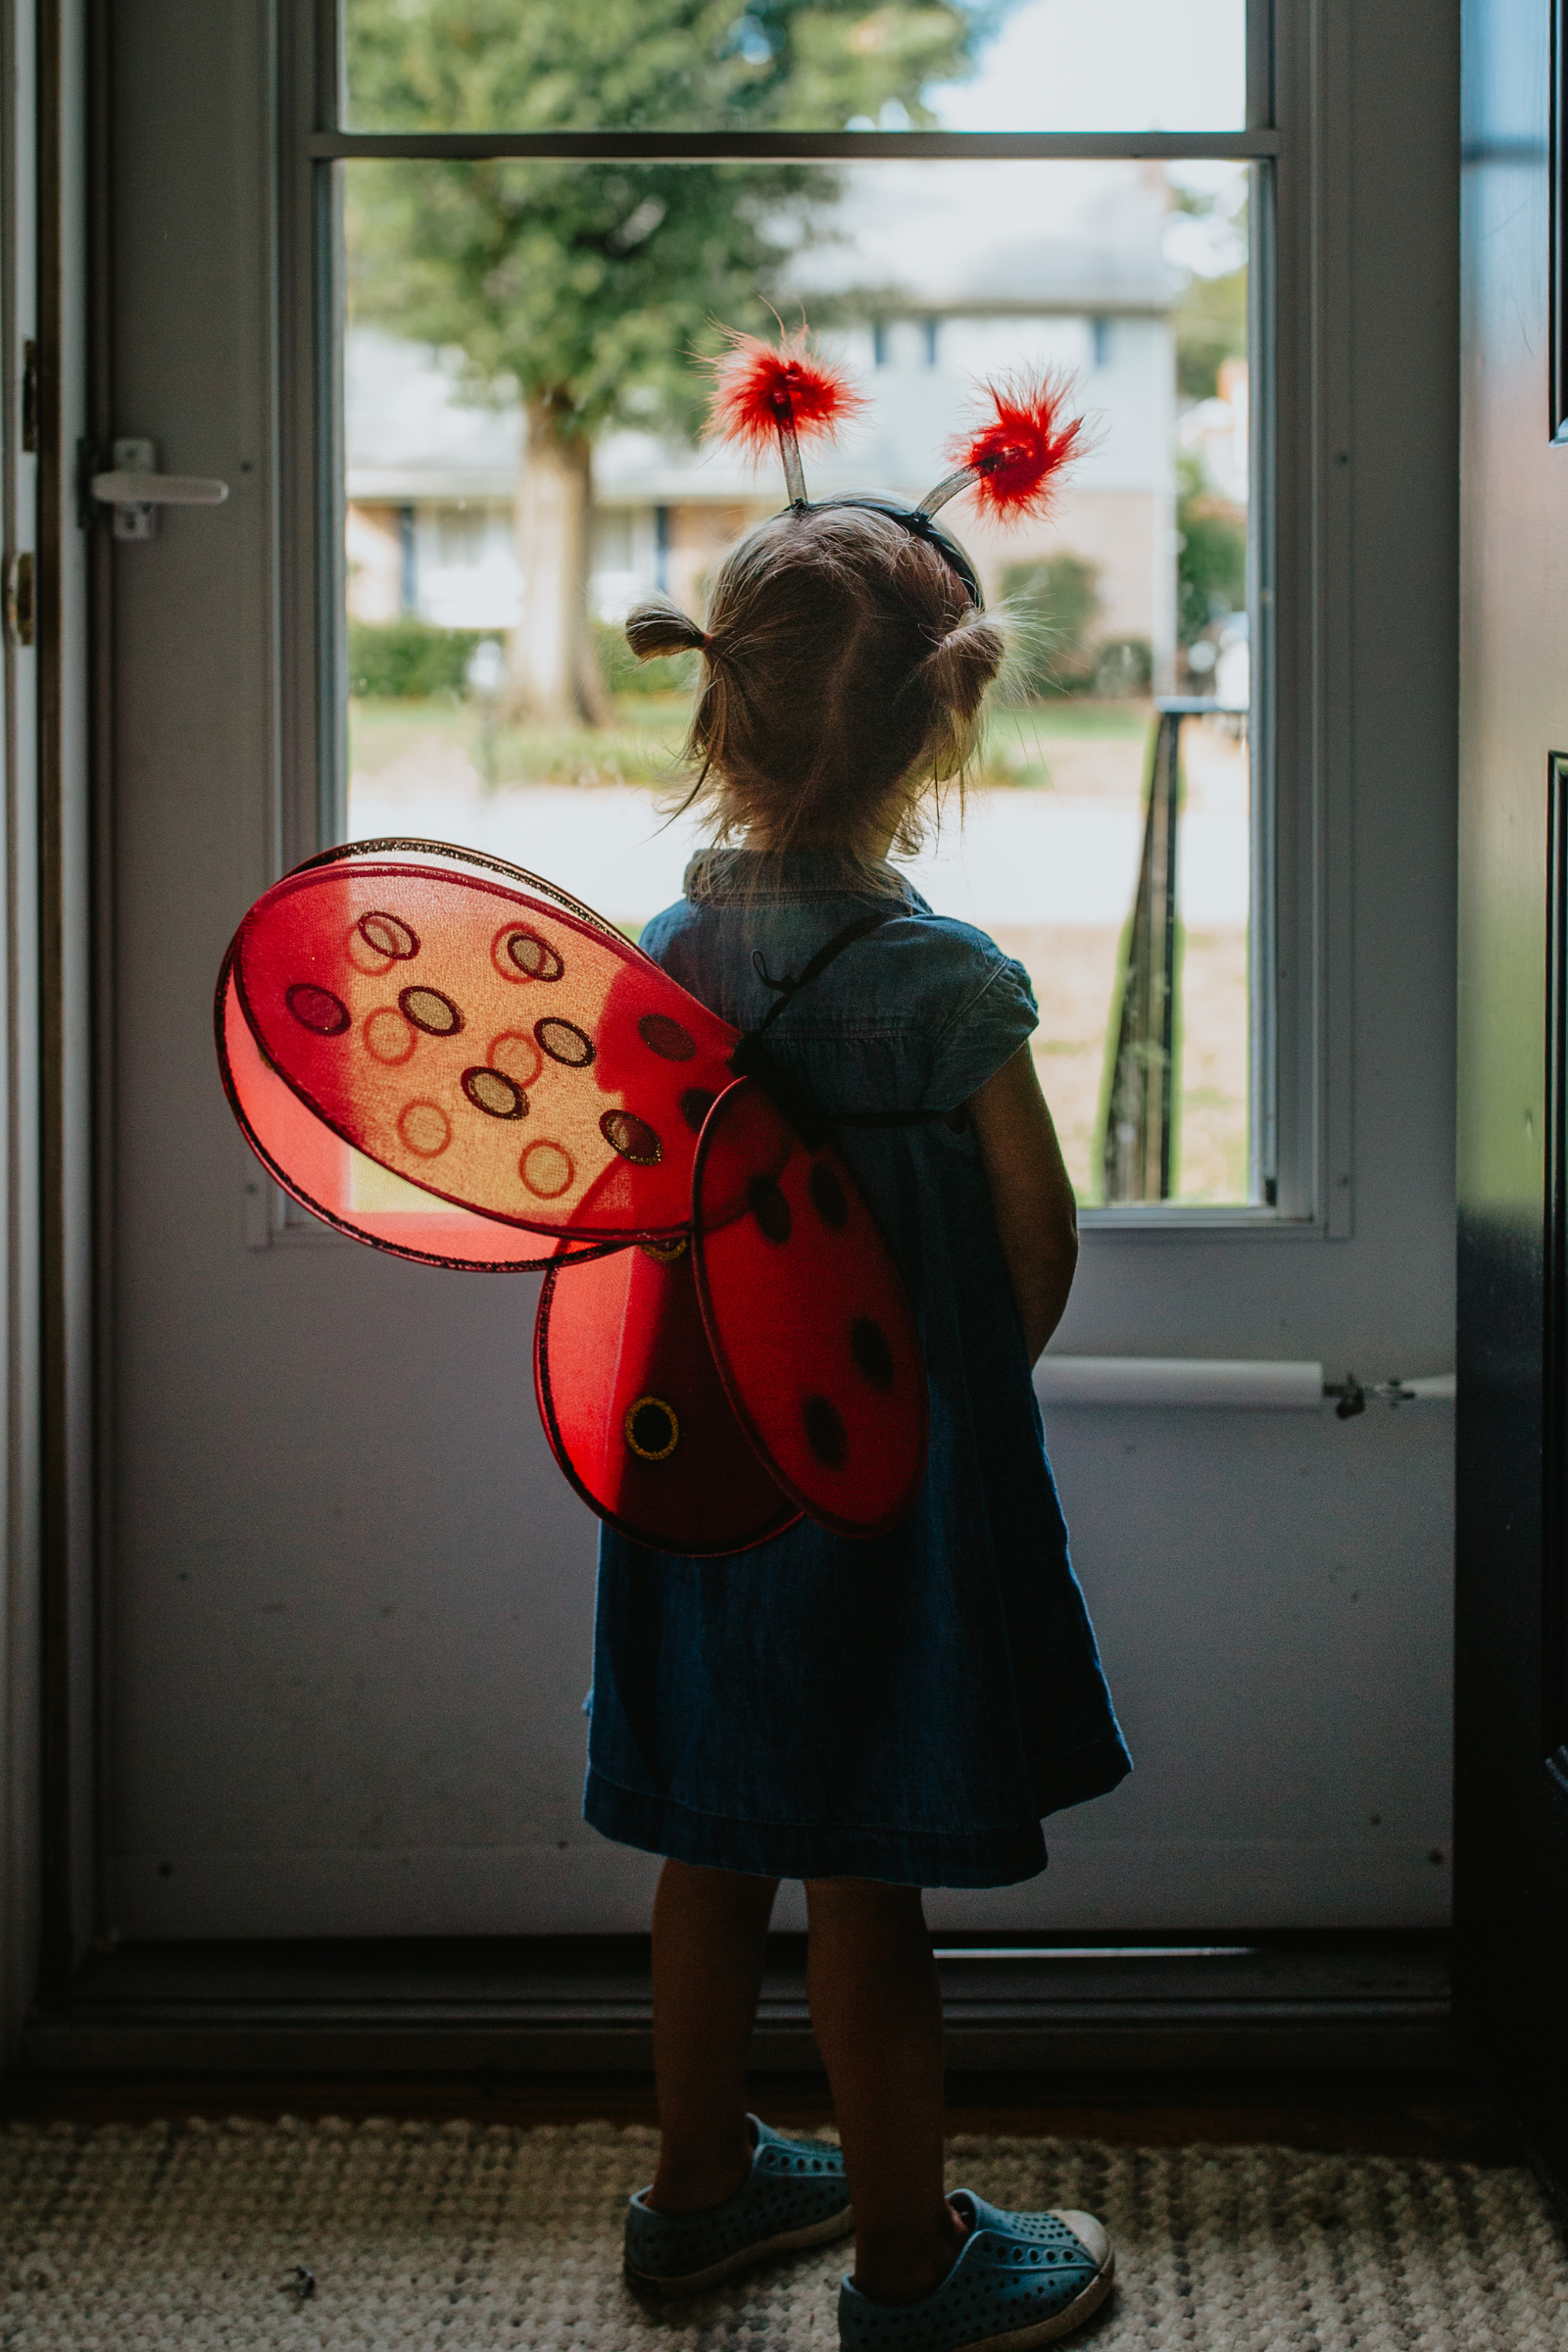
794, 2195
1022, 2279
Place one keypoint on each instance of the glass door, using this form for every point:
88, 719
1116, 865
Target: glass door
435, 328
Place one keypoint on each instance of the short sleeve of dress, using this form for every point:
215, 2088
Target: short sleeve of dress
994, 1014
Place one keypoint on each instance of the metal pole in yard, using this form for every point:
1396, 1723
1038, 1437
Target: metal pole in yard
1136, 1147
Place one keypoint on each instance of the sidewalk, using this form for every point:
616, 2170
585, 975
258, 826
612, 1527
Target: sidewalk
1050, 873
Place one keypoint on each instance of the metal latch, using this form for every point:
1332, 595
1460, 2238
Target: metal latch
135, 489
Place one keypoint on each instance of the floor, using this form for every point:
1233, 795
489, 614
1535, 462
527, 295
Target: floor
1446, 2115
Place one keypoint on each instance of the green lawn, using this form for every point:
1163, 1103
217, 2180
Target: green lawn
644, 743
1017, 746
1076, 718
640, 750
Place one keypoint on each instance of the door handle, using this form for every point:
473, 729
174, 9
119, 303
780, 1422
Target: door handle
135, 489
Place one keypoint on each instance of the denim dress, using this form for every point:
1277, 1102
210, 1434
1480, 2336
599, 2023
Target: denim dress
907, 1708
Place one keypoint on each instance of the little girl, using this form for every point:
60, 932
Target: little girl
870, 1717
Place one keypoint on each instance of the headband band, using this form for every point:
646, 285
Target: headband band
919, 525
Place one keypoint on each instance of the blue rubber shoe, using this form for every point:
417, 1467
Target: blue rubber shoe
1022, 2278
794, 2195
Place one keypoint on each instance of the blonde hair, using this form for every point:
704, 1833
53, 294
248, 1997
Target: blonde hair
844, 668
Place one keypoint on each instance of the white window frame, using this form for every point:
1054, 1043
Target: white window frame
1297, 99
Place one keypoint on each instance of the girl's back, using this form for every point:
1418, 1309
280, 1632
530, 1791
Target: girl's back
906, 1708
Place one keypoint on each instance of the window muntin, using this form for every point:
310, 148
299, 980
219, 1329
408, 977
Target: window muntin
811, 65
935, 273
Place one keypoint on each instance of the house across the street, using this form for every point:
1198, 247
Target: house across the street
1085, 288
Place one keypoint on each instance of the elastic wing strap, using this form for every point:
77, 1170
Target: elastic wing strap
787, 990
751, 1058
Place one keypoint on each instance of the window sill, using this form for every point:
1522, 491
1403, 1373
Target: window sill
1161, 1220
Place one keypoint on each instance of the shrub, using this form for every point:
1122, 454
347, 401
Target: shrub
1211, 559
1056, 598
412, 660
1123, 665
403, 659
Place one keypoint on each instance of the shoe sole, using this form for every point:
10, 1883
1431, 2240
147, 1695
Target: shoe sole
788, 2241
1046, 2331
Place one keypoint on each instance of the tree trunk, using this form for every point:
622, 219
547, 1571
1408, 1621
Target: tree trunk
553, 671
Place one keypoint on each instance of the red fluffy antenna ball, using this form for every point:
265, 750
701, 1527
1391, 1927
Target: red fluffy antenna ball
764, 390
1015, 459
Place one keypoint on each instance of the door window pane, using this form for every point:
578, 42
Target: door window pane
795, 64
488, 301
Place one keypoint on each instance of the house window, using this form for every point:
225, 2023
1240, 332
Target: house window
515, 317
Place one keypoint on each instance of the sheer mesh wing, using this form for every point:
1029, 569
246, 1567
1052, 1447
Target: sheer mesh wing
809, 1318
473, 1032
636, 1412
339, 1185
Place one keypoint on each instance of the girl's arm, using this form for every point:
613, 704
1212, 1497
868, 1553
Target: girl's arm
1037, 1218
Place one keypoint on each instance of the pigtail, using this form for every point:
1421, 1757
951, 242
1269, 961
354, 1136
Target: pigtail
845, 674
962, 665
660, 627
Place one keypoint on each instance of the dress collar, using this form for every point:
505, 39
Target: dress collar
780, 875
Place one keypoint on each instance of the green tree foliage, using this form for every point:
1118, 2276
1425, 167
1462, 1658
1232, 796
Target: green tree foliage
583, 287
650, 64
1211, 562
1211, 318
1210, 323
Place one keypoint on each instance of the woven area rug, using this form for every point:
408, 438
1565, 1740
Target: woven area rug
379, 2237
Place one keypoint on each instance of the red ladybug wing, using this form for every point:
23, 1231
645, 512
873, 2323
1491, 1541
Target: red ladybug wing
452, 858
635, 1410
809, 1318
471, 1030
338, 1183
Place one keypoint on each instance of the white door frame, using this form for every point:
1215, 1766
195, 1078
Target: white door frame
48, 1860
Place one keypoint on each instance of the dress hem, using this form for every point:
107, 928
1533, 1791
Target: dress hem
995, 1857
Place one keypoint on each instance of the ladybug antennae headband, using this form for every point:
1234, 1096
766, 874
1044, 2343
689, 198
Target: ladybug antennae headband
1013, 458
917, 521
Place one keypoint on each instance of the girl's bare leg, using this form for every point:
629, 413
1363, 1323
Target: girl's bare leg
709, 1935
877, 2010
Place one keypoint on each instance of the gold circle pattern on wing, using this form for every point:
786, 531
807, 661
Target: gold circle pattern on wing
530, 1037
